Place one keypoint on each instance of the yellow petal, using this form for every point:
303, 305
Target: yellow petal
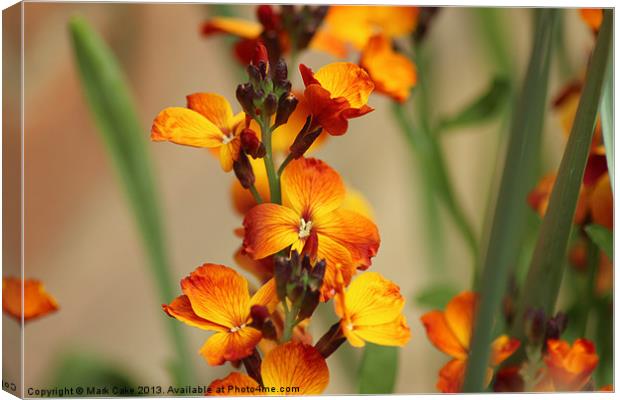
294, 364
184, 126
235, 26
347, 80
230, 346
395, 333
236, 380
460, 316
213, 107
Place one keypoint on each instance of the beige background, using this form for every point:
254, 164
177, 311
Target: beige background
80, 236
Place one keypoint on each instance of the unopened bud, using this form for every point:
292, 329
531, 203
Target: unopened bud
280, 72
535, 325
317, 275
260, 55
269, 330
303, 141
251, 145
245, 97
556, 326
243, 170
286, 106
308, 305
270, 104
254, 74
282, 273
267, 17
259, 314
306, 265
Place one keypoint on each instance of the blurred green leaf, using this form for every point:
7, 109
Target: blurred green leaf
486, 106
378, 369
607, 117
436, 296
547, 266
74, 370
602, 237
518, 176
114, 114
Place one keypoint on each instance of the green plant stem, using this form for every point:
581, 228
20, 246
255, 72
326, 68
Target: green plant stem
285, 163
272, 176
590, 290
547, 268
508, 222
257, 197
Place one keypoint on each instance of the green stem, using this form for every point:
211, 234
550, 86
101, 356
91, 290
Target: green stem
510, 209
272, 176
286, 161
590, 290
255, 194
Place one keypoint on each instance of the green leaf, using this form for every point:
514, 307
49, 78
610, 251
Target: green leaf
116, 119
518, 176
436, 296
607, 117
485, 107
548, 262
602, 237
378, 369
74, 370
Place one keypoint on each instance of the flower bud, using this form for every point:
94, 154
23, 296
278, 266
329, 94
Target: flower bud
254, 74
282, 273
267, 17
535, 325
280, 72
556, 326
245, 97
303, 141
259, 314
260, 56
269, 330
243, 170
317, 275
309, 304
286, 106
270, 104
251, 145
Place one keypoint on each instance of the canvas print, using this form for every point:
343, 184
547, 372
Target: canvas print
227, 199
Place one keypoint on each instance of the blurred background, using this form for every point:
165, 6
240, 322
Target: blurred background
81, 240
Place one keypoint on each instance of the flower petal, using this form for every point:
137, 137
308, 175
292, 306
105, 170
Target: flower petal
294, 364
37, 302
338, 260
329, 43
393, 74
593, 17
284, 135
356, 233
373, 300
230, 346
441, 336
218, 294
602, 203
460, 316
502, 348
183, 126
266, 295
229, 153
395, 333
221, 387
347, 80
235, 26
213, 107
451, 376
181, 309
311, 188
269, 228
243, 201
570, 367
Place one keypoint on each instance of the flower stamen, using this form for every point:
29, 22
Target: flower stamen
237, 328
305, 227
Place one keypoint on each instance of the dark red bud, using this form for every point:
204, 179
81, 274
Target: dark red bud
267, 17
303, 141
286, 106
282, 273
251, 145
243, 170
245, 97
260, 55
259, 314
309, 304
270, 104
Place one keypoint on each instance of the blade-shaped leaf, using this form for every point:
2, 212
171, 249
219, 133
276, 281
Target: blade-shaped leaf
603, 238
485, 107
547, 265
607, 118
378, 369
114, 114
518, 176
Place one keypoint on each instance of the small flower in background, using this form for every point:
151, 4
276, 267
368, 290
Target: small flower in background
37, 302
393, 73
569, 367
312, 221
336, 93
450, 332
216, 298
208, 121
593, 17
291, 365
371, 311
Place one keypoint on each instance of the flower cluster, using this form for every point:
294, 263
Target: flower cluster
305, 235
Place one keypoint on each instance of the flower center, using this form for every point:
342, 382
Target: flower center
237, 328
228, 138
304, 228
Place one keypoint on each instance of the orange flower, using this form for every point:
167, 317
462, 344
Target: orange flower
371, 311
593, 17
602, 203
216, 298
337, 93
208, 121
291, 365
312, 219
450, 332
37, 302
356, 24
570, 367
393, 74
